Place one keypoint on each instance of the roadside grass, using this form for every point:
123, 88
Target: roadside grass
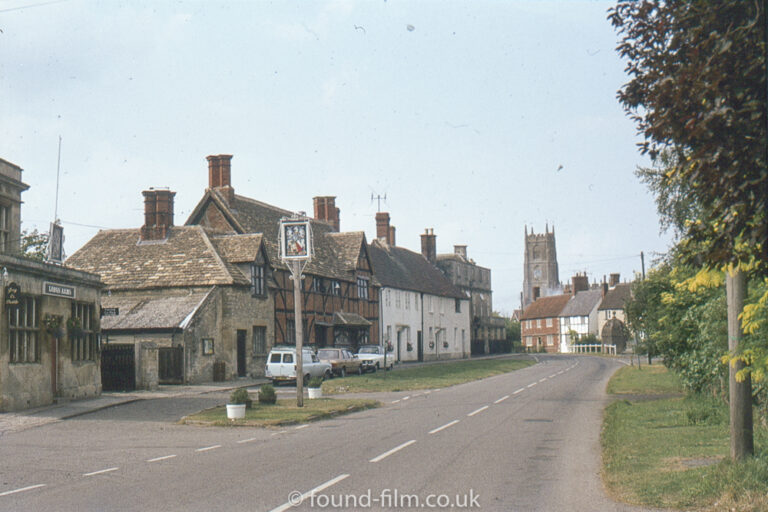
431, 376
673, 452
648, 380
284, 412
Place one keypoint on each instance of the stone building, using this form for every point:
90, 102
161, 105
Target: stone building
182, 304
423, 315
49, 341
540, 270
340, 295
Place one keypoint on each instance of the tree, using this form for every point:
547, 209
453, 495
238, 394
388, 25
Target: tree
698, 90
34, 245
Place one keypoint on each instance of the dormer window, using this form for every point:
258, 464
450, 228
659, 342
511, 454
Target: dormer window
258, 280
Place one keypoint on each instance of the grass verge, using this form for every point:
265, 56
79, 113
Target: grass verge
431, 376
284, 412
673, 452
648, 380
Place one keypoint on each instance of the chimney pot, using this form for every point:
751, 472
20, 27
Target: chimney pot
325, 210
382, 226
392, 235
158, 214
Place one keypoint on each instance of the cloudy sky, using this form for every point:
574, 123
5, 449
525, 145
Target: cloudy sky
474, 118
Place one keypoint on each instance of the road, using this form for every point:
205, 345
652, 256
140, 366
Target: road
527, 440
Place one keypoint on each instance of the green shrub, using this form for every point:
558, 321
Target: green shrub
705, 411
239, 396
267, 394
315, 382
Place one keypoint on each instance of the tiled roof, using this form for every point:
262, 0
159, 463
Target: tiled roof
617, 297
151, 312
397, 267
185, 258
348, 318
238, 248
546, 307
583, 303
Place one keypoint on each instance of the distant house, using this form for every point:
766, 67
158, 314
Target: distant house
616, 295
182, 304
340, 296
423, 315
579, 318
50, 321
540, 326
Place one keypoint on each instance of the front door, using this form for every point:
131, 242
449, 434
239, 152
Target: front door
321, 332
419, 346
241, 370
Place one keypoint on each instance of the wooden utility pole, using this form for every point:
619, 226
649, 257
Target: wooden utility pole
296, 276
740, 393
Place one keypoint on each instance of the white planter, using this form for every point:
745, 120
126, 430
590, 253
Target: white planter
235, 411
315, 392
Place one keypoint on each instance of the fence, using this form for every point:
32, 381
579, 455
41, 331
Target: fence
585, 349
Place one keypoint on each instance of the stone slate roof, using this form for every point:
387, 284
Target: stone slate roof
617, 297
397, 267
546, 307
348, 318
238, 248
335, 254
151, 312
583, 303
187, 257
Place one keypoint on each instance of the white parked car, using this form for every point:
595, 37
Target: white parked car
281, 365
372, 357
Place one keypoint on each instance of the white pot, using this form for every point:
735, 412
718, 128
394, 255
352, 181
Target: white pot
235, 411
315, 392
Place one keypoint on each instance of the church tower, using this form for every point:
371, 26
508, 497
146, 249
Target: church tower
540, 275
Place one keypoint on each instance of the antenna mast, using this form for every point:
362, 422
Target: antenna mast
379, 198
58, 169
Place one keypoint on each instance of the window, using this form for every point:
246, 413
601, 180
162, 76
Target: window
259, 340
23, 331
389, 333
82, 337
429, 300
317, 285
388, 298
538, 322
258, 283
458, 305
290, 334
207, 346
416, 302
397, 299
549, 322
407, 300
5, 227
362, 288
336, 287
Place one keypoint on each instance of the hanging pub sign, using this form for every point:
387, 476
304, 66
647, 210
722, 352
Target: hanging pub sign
12, 295
55, 243
295, 239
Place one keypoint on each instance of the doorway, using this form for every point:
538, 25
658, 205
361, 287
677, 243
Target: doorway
241, 367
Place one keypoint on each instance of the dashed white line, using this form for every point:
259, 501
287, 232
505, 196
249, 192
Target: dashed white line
247, 440
531, 385
542, 380
519, 391
297, 500
101, 471
277, 433
501, 399
478, 411
302, 426
447, 425
394, 401
23, 489
164, 457
208, 448
393, 450
553, 376
406, 398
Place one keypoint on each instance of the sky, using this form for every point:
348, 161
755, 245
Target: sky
476, 119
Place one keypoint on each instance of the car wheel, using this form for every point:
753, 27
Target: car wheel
328, 374
343, 373
306, 380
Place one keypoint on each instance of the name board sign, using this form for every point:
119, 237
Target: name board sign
295, 240
58, 290
12, 294
110, 311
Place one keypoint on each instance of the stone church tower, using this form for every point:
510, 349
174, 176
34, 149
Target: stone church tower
540, 275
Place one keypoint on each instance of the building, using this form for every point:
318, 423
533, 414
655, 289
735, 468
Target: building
579, 316
488, 332
422, 314
540, 326
50, 321
540, 270
182, 304
340, 296
615, 297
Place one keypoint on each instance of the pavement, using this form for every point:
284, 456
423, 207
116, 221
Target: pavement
29, 418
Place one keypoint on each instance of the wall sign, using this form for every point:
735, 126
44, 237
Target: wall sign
12, 295
110, 311
58, 290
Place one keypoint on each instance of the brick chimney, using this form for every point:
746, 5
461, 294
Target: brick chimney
220, 176
429, 245
392, 235
579, 283
325, 210
460, 250
382, 226
614, 279
158, 214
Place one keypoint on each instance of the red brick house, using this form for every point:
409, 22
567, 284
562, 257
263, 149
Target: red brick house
340, 295
540, 324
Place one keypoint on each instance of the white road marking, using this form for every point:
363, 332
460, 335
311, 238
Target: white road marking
164, 457
393, 450
438, 429
542, 380
519, 391
394, 401
553, 376
478, 410
208, 448
247, 440
297, 500
23, 489
501, 399
406, 398
281, 432
531, 385
301, 427
108, 470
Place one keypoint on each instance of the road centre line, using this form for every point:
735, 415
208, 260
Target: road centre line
553, 376
99, 472
542, 380
281, 432
501, 399
478, 410
393, 450
164, 457
438, 429
23, 489
531, 385
247, 440
208, 448
394, 401
302, 426
519, 391
406, 398
295, 501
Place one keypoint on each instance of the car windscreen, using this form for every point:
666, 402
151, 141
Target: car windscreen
328, 354
368, 350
